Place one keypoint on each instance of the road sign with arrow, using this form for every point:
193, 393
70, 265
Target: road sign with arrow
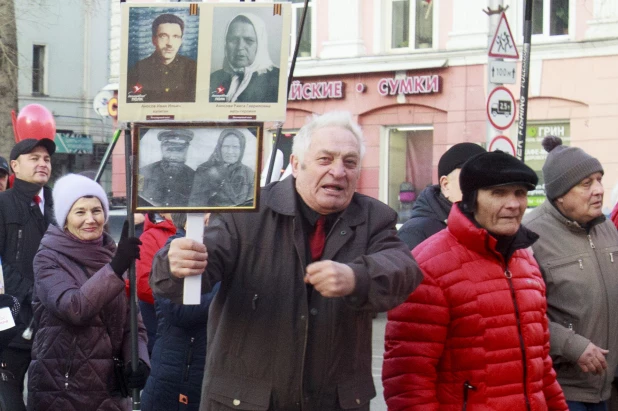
502, 72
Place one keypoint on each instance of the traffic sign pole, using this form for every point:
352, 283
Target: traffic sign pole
525, 78
490, 132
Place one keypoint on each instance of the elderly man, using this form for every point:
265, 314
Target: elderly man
248, 73
474, 335
168, 182
577, 252
290, 328
433, 205
164, 76
25, 213
4, 174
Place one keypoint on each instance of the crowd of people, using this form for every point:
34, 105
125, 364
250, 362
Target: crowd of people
490, 307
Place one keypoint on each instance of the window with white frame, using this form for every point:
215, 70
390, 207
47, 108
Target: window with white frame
411, 24
550, 17
306, 41
38, 69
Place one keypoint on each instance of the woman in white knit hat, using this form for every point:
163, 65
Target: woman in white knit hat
80, 308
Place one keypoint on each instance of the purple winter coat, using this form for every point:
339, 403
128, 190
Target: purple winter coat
82, 321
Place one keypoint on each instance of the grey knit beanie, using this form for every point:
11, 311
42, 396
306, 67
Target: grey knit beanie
565, 167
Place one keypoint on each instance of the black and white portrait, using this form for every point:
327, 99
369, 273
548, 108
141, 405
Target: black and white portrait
163, 43
246, 43
198, 168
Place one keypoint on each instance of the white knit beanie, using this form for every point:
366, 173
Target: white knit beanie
71, 188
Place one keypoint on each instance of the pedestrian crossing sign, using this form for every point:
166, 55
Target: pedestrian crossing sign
503, 44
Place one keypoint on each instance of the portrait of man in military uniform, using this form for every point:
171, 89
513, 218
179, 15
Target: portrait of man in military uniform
166, 75
168, 182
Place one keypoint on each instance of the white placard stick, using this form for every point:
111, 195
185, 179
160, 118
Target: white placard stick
193, 285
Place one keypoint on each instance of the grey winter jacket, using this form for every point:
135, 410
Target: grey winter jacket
82, 320
581, 272
272, 346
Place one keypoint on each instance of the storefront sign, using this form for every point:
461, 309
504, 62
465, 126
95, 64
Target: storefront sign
409, 85
316, 91
69, 142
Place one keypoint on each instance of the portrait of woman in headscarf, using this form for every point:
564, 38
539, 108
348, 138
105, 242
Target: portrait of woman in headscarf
223, 180
248, 73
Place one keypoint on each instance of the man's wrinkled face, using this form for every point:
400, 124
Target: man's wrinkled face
168, 40
241, 44
173, 152
327, 176
33, 167
230, 149
499, 209
583, 202
4, 180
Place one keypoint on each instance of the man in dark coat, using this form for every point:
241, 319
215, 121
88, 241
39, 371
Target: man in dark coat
248, 73
26, 210
168, 182
164, 76
290, 327
433, 205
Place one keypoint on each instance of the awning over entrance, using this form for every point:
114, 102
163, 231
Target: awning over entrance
69, 142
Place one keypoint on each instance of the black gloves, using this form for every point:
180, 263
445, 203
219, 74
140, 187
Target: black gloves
126, 253
136, 379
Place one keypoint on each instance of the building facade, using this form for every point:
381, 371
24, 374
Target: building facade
64, 61
414, 75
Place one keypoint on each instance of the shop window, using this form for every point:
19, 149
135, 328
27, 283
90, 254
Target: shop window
411, 24
550, 17
38, 69
410, 151
306, 43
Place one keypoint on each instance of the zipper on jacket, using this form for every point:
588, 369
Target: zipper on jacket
581, 264
254, 302
19, 234
467, 386
611, 257
189, 357
69, 363
522, 346
590, 241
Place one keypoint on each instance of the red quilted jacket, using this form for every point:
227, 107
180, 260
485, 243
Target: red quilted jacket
474, 335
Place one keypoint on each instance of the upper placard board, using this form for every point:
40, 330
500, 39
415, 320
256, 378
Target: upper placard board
204, 62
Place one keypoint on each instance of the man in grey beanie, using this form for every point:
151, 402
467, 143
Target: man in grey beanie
576, 253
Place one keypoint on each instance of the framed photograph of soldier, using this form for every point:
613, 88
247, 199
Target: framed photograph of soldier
204, 62
196, 167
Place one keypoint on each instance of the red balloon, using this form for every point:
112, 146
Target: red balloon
34, 121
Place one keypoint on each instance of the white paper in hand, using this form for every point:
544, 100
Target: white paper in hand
6, 319
193, 285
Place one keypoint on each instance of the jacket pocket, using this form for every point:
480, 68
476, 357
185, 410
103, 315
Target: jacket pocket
248, 306
356, 393
466, 390
573, 279
240, 393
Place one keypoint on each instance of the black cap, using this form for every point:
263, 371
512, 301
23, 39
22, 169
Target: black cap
4, 165
27, 145
494, 169
177, 136
456, 156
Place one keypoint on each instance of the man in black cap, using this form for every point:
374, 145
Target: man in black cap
434, 203
168, 182
25, 213
475, 331
4, 174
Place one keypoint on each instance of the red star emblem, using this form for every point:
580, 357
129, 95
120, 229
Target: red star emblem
137, 88
221, 90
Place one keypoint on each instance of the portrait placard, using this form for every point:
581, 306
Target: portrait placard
196, 167
204, 62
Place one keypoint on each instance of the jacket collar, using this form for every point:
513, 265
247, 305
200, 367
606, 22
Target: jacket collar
480, 240
283, 201
27, 190
552, 210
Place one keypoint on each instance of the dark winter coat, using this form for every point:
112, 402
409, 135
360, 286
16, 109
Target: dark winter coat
474, 335
82, 319
271, 345
178, 356
429, 216
21, 228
